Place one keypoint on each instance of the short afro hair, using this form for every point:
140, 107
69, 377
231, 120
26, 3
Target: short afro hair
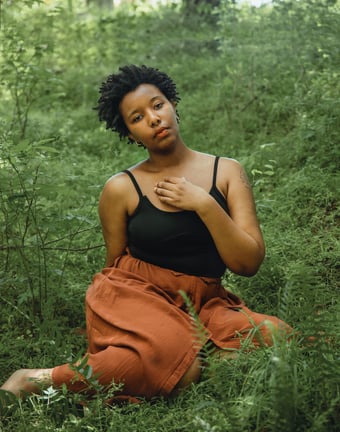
126, 80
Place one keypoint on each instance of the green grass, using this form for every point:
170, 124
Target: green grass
258, 85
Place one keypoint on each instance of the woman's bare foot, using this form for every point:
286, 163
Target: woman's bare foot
27, 381
224, 354
192, 375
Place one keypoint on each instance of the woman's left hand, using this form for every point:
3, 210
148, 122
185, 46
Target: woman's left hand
180, 193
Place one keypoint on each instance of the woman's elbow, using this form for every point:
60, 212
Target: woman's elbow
248, 271
250, 266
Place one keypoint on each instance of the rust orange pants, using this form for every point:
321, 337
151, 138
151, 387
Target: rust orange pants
140, 332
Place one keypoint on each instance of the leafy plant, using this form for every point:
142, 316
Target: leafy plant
257, 84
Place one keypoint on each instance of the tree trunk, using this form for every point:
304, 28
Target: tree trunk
108, 4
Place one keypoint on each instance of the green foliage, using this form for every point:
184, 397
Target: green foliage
257, 84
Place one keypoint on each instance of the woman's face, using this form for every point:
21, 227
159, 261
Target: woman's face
150, 117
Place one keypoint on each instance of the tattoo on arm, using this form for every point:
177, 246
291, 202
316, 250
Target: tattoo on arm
244, 178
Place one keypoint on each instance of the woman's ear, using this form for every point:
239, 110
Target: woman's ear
133, 140
174, 104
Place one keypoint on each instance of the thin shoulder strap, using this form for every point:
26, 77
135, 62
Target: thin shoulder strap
134, 181
215, 170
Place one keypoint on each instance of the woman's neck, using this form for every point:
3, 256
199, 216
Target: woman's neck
178, 157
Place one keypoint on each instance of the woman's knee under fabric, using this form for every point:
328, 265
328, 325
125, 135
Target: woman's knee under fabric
260, 329
236, 327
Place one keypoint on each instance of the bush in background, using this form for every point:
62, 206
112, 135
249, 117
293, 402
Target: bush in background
257, 84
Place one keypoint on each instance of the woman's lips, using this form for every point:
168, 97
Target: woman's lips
162, 133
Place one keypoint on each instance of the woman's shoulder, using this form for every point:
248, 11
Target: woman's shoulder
121, 178
232, 171
230, 163
117, 185
222, 159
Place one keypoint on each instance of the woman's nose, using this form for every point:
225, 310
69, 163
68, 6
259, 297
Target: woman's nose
154, 119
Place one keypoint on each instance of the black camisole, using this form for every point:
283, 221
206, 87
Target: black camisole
175, 240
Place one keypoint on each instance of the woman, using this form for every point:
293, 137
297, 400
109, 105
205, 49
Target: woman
172, 225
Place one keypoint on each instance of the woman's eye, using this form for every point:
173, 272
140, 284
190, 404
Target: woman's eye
159, 105
137, 118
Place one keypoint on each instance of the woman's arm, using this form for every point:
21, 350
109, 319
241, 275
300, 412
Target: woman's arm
237, 237
113, 216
